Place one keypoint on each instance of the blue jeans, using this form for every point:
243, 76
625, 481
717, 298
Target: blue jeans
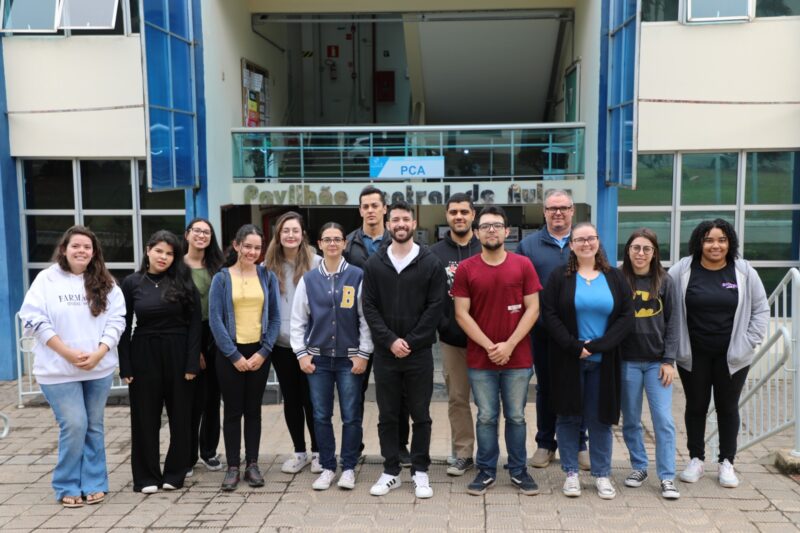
568, 427
489, 387
638, 377
78, 407
332, 371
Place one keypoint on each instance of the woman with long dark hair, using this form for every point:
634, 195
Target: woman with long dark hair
333, 345
588, 310
290, 256
648, 360
76, 313
722, 318
245, 319
159, 358
202, 255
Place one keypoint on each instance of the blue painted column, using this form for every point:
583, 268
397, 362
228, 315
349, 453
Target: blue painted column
10, 238
197, 199
606, 195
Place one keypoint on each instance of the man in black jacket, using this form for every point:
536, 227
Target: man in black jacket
458, 244
403, 300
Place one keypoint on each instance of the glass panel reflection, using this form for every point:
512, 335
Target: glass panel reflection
106, 184
48, 184
115, 234
709, 179
772, 178
44, 233
772, 235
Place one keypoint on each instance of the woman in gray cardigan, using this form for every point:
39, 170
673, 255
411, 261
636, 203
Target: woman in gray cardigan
723, 315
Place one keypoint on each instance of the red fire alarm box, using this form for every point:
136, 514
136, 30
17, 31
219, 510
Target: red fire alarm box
384, 86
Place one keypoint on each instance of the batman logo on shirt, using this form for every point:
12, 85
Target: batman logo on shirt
645, 306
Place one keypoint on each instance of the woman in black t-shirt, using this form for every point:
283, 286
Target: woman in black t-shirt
723, 318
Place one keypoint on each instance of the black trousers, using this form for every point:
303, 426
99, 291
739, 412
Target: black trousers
404, 381
402, 424
710, 374
159, 367
205, 407
242, 394
297, 408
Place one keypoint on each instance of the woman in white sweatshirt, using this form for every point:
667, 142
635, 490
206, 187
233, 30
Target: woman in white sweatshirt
76, 312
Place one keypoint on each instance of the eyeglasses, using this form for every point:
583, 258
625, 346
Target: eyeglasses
591, 239
332, 240
556, 208
291, 231
491, 226
203, 232
637, 248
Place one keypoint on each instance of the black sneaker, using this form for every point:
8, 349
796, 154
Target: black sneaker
525, 483
212, 463
636, 478
460, 467
405, 457
253, 475
231, 479
668, 490
480, 484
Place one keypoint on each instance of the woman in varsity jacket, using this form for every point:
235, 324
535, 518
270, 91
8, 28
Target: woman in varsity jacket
333, 344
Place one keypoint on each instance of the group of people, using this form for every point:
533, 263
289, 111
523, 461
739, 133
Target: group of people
192, 326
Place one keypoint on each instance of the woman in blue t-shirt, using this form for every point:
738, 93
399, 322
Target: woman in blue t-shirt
333, 344
588, 310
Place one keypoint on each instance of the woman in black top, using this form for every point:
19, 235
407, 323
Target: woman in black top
159, 360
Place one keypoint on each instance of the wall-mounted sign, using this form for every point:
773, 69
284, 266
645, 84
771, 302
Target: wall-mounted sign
406, 167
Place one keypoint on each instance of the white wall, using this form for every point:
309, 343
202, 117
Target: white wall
726, 86
228, 37
80, 96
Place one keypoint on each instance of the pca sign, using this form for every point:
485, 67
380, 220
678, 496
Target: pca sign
406, 167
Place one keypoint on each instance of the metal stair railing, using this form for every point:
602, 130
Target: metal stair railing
770, 400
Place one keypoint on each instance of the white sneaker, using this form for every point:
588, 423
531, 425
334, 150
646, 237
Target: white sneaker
572, 485
295, 463
169, 486
190, 472
384, 484
605, 489
150, 489
727, 475
347, 480
693, 471
323, 482
316, 466
422, 485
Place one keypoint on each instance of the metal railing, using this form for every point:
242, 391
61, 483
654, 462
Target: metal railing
496, 152
27, 387
770, 400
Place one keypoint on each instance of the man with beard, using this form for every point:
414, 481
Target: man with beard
458, 244
403, 300
497, 303
547, 249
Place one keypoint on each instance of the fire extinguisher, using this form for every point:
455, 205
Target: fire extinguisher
332, 73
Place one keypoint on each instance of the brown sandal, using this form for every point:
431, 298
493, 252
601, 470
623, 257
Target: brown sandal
95, 497
72, 502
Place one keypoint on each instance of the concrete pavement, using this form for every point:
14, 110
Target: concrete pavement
765, 500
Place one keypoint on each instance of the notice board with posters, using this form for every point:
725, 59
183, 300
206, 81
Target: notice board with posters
255, 95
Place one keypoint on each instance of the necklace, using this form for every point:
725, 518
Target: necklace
587, 280
152, 280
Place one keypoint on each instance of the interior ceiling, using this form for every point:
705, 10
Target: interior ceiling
482, 72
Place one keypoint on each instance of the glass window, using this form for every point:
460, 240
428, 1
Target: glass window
115, 234
160, 199
44, 232
48, 184
777, 8
118, 29
184, 150
772, 178
711, 10
120, 274
658, 222
709, 179
155, 13
179, 18
134, 16
26, 16
771, 235
653, 181
659, 10
152, 223
84, 14
161, 148
157, 46
690, 220
106, 184
181, 74
771, 277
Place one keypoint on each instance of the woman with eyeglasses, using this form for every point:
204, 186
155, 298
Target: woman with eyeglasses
588, 311
333, 343
722, 318
648, 359
202, 255
244, 317
159, 359
290, 256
